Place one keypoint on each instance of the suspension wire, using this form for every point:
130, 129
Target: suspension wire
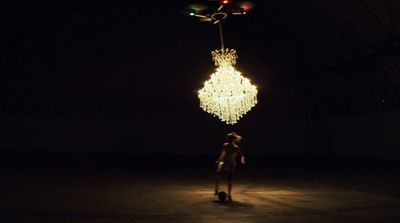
221, 36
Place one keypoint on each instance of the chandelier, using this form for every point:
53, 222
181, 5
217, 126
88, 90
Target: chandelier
227, 94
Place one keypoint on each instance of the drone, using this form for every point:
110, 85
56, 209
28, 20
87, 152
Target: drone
225, 8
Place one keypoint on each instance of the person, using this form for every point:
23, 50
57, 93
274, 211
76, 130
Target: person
226, 163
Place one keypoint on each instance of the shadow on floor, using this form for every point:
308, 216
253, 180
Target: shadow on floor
234, 204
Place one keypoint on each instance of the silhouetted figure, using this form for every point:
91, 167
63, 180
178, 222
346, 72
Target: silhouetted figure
226, 163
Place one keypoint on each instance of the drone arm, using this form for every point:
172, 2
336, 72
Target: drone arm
201, 16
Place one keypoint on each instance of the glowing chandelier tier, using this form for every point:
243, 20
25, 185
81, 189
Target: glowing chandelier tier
227, 94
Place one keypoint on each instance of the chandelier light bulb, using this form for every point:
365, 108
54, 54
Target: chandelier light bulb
227, 94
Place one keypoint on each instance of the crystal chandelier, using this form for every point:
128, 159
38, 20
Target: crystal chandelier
227, 94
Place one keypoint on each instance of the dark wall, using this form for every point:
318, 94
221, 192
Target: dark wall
156, 135
123, 78
372, 135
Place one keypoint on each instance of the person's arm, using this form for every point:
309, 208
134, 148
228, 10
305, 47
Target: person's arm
242, 158
222, 155
220, 161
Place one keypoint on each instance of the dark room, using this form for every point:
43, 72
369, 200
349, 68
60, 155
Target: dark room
207, 111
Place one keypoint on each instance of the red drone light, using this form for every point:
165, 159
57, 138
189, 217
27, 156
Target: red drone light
225, 2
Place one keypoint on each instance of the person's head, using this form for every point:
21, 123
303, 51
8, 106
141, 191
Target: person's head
233, 137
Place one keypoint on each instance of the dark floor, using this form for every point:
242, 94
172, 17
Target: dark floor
67, 187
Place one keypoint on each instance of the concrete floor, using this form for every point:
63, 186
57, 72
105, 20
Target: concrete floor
62, 188
45, 196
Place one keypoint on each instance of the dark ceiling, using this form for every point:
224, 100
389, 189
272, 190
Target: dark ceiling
346, 53
308, 58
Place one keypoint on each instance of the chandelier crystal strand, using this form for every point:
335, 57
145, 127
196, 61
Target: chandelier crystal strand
227, 94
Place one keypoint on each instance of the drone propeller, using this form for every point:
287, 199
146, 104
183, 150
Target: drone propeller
197, 7
246, 5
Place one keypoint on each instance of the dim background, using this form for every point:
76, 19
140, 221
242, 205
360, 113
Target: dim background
122, 77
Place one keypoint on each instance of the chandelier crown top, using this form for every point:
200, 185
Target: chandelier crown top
224, 57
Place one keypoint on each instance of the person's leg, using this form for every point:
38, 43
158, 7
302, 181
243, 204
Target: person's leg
217, 179
230, 185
